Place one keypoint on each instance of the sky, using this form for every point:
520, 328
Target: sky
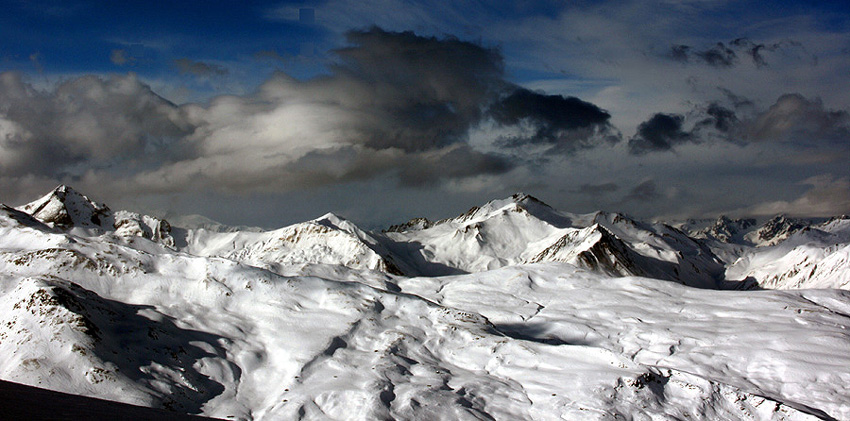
269, 113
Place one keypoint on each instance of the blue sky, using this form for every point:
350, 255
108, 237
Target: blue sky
269, 113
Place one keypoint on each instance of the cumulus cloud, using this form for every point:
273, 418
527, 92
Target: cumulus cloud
798, 119
84, 122
394, 104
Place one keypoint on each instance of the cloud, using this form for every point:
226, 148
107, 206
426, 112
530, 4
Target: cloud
718, 56
720, 118
393, 105
420, 93
646, 191
198, 68
83, 123
455, 163
597, 189
793, 120
660, 133
567, 123
725, 55
827, 196
119, 57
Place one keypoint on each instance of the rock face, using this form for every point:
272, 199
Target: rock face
727, 230
415, 224
777, 229
593, 248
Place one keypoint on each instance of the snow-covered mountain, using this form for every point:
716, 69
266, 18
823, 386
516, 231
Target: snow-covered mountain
815, 256
65, 208
522, 229
544, 315
329, 239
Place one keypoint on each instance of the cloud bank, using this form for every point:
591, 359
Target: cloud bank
394, 104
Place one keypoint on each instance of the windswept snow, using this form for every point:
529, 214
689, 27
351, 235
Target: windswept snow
309, 321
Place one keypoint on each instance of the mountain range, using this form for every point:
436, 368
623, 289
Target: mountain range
512, 310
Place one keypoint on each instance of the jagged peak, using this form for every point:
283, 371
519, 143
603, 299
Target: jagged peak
414, 224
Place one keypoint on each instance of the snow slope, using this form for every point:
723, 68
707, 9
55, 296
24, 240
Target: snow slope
133, 320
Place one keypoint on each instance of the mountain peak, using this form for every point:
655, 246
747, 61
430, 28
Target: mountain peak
727, 229
778, 228
65, 207
524, 198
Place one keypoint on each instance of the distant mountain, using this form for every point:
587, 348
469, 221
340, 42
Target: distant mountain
517, 230
798, 255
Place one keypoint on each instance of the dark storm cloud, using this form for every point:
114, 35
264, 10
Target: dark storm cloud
458, 162
568, 123
393, 104
660, 133
756, 51
199, 68
719, 55
422, 92
680, 53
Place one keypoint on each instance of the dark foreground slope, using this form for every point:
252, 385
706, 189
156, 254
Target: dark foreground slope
22, 402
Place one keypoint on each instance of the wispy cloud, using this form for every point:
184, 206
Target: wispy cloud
199, 68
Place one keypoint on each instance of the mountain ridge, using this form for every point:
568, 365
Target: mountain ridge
515, 230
